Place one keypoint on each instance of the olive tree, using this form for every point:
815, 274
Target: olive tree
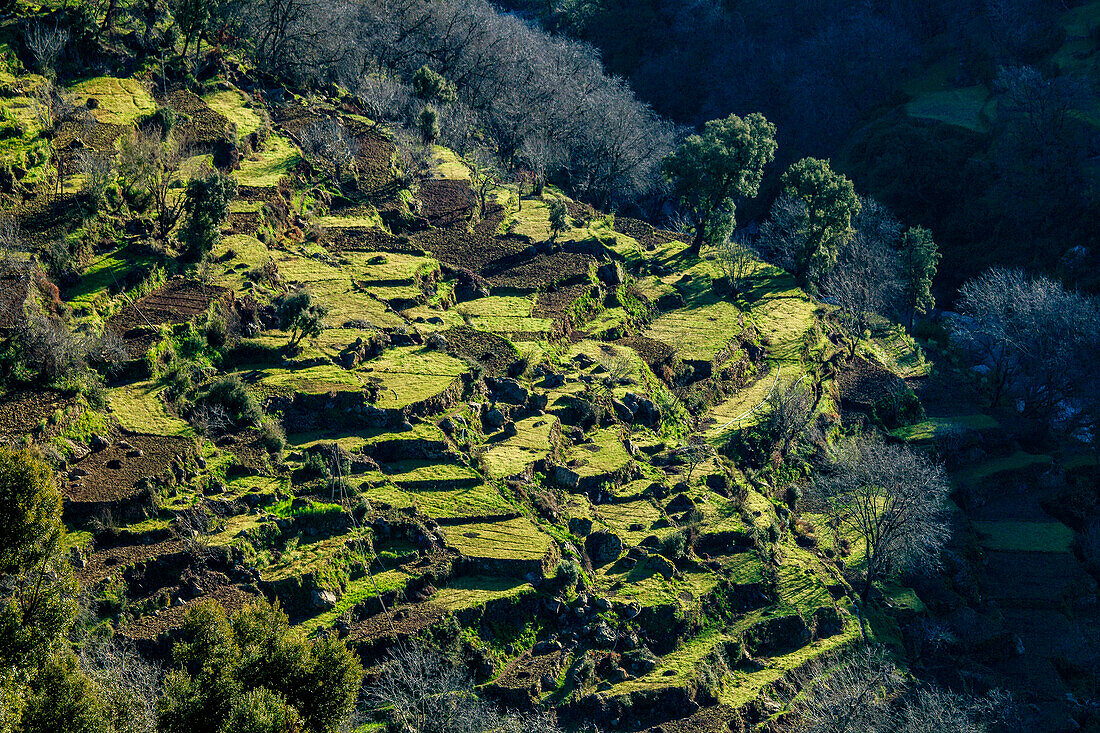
709, 172
813, 218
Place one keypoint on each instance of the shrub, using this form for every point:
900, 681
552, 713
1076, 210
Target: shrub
674, 546
231, 394
567, 574
272, 436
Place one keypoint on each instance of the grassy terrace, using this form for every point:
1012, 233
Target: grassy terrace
121, 101
264, 169
513, 539
140, 408
531, 442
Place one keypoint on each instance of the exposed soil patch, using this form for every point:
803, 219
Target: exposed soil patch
22, 411
863, 382
654, 352
108, 561
177, 301
535, 272
645, 233
408, 620
367, 239
201, 126
148, 628
492, 351
105, 483
446, 203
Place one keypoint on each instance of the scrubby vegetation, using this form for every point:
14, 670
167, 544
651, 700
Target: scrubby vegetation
391, 366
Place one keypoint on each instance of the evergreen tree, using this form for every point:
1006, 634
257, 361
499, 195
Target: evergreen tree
830, 205
709, 171
919, 258
206, 203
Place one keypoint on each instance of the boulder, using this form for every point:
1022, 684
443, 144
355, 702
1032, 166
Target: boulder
494, 419
323, 600
98, 443
611, 273
580, 526
622, 410
603, 547
680, 503
507, 390
663, 566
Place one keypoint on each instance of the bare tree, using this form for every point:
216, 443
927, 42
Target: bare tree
784, 234
693, 455
423, 692
784, 421
128, 685
737, 258
894, 499
46, 44
865, 281
849, 695
328, 142
932, 708
96, 174
1033, 338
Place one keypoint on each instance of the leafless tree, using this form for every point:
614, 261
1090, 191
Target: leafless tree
737, 258
128, 685
785, 232
150, 164
328, 142
384, 97
865, 281
46, 44
693, 455
932, 708
1034, 338
423, 692
784, 420
96, 173
894, 499
847, 695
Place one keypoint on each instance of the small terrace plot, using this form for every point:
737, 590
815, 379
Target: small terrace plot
413, 374
121, 101
535, 438
512, 539
506, 315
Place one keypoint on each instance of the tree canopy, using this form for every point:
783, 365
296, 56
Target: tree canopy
710, 171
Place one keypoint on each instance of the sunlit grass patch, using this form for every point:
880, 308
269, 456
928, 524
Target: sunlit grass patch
139, 408
264, 169
121, 101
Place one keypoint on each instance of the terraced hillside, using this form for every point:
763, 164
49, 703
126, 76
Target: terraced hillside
509, 438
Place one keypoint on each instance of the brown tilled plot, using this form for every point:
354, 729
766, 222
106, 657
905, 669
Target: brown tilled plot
111, 475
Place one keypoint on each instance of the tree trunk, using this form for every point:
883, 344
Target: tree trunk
697, 242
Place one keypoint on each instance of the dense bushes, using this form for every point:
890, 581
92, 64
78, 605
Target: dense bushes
252, 673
